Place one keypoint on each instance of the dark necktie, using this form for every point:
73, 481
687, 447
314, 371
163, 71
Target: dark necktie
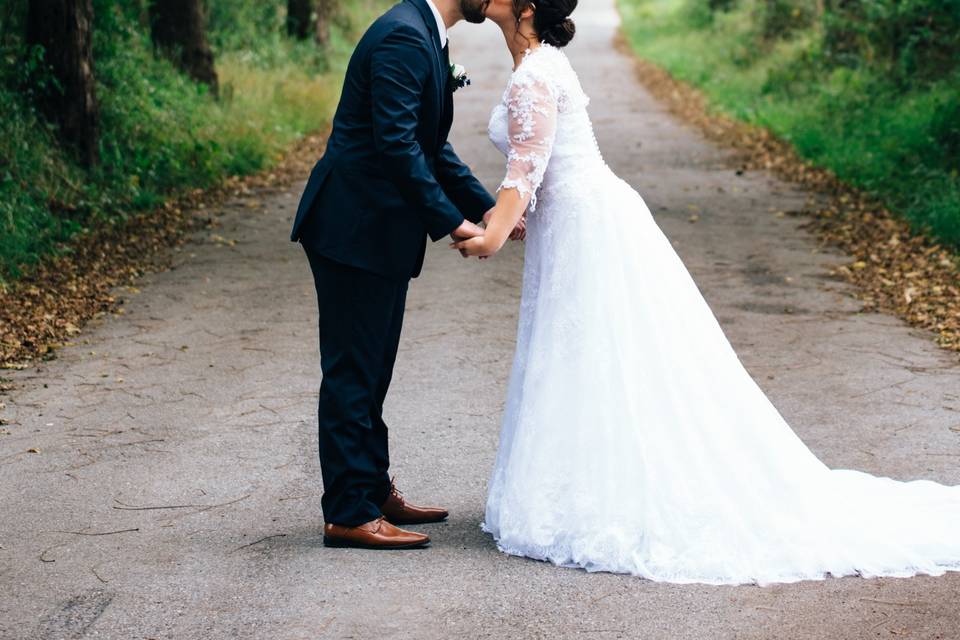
446, 66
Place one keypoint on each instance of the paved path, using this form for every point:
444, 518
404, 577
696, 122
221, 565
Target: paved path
198, 403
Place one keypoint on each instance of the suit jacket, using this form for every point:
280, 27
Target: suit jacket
388, 177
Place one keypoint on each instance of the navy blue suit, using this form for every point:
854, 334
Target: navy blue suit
389, 178
387, 181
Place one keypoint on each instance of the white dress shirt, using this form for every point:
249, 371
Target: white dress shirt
441, 27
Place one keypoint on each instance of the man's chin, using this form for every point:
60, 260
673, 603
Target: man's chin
476, 15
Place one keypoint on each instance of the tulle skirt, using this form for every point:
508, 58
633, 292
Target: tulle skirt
634, 441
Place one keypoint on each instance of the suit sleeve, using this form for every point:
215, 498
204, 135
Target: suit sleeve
460, 185
400, 67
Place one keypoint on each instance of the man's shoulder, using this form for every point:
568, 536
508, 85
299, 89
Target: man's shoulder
402, 18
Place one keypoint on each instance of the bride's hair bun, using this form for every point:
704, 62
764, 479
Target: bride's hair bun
560, 34
551, 19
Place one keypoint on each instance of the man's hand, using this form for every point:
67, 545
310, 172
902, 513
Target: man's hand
474, 247
466, 231
519, 232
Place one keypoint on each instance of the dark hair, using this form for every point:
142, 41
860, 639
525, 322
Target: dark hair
551, 19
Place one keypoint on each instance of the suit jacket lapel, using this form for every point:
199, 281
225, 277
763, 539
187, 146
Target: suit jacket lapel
431, 24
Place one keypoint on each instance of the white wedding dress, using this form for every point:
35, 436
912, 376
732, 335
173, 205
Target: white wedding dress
633, 439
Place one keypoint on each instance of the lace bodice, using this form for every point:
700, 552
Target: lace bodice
541, 124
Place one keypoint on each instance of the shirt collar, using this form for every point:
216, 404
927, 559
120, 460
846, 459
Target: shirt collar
441, 27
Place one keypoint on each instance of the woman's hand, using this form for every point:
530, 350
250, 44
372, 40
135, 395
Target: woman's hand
520, 231
474, 247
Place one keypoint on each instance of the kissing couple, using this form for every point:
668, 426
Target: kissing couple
633, 440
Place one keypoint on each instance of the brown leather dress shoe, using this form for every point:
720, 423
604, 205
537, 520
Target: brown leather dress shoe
376, 534
399, 511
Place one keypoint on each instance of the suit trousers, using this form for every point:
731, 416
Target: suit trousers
360, 319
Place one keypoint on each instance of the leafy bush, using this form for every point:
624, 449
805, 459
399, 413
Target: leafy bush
868, 88
781, 18
160, 132
945, 128
700, 13
914, 39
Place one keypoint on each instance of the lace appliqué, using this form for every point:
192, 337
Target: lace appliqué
532, 105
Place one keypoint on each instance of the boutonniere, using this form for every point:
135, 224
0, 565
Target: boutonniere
458, 74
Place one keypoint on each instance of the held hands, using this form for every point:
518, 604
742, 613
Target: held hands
483, 246
475, 241
466, 231
474, 247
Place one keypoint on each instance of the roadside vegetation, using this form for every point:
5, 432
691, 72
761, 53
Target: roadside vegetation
154, 122
869, 89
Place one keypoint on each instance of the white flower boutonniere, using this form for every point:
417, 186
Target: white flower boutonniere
458, 74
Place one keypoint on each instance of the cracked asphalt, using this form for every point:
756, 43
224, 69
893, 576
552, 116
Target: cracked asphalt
173, 490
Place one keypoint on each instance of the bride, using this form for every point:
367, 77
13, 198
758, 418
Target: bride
633, 439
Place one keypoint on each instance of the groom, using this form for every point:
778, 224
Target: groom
387, 180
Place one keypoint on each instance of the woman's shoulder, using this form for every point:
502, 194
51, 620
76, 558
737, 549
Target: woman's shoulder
548, 66
544, 59
543, 65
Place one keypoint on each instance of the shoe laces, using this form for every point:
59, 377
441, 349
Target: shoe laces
394, 491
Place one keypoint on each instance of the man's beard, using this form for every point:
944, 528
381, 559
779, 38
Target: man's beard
474, 10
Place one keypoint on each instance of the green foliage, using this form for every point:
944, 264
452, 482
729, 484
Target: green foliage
781, 18
916, 40
160, 132
243, 25
700, 13
869, 89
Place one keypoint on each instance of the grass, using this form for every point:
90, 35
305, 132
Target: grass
896, 140
161, 133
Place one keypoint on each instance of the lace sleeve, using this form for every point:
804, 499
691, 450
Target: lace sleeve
532, 106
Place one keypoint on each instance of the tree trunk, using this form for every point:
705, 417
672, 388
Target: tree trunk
64, 28
298, 18
326, 10
178, 29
